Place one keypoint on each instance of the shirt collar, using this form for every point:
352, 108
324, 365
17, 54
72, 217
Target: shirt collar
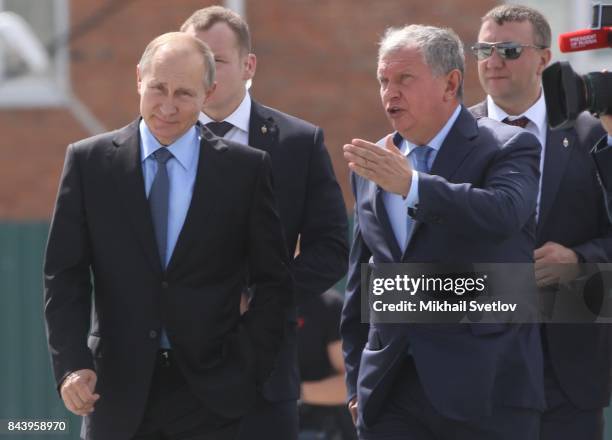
184, 149
240, 118
536, 113
437, 141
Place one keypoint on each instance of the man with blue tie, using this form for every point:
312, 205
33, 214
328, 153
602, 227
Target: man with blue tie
443, 188
162, 221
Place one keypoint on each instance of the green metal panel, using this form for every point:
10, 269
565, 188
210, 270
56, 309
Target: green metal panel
27, 388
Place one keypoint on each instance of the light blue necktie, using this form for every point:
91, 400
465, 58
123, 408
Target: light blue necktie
420, 156
159, 200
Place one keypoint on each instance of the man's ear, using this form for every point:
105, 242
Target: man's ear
250, 65
209, 93
545, 56
138, 78
453, 82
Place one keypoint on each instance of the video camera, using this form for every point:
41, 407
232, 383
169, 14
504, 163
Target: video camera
567, 94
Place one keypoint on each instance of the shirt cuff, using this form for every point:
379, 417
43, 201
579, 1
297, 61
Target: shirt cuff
412, 199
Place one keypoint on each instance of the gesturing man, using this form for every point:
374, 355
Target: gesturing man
309, 199
161, 221
442, 188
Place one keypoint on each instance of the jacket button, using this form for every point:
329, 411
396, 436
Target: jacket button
164, 284
153, 334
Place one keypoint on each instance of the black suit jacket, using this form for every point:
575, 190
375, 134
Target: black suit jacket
311, 207
102, 232
573, 214
602, 155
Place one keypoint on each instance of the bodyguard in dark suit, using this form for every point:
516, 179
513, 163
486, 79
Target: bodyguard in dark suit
572, 223
309, 199
167, 354
465, 193
602, 155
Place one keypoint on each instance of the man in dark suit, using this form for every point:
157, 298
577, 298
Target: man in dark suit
602, 155
572, 224
167, 353
444, 188
309, 199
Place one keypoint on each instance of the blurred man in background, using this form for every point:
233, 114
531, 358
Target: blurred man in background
323, 411
309, 199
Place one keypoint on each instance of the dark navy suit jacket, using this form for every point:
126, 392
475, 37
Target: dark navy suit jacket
602, 155
477, 205
311, 210
102, 226
573, 214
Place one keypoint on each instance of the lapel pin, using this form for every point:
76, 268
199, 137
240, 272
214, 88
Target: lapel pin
565, 142
264, 129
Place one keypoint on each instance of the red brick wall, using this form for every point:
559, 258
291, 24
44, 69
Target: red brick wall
316, 59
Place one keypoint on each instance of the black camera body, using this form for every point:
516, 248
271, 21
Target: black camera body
568, 94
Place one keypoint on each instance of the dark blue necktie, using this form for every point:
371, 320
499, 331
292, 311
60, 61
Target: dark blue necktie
220, 129
158, 201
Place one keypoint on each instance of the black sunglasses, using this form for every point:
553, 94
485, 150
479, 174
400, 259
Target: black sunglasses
507, 50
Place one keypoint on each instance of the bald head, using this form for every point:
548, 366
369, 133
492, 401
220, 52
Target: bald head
179, 47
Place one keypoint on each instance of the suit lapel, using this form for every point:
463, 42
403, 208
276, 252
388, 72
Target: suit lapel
559, 146
129, 180
205, 190
456, 146
479, 110
459, 142
380, 211
556, 157
263, 132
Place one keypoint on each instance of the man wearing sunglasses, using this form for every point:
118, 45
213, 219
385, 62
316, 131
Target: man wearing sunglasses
572, 225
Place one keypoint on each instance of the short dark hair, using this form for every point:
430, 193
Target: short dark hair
518, 13
204, 19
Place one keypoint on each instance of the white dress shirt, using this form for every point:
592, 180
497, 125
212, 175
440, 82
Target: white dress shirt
182, 170
396, 205
240, 120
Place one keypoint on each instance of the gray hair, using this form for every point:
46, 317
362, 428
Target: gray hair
199, 46
441, 48
519, 13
